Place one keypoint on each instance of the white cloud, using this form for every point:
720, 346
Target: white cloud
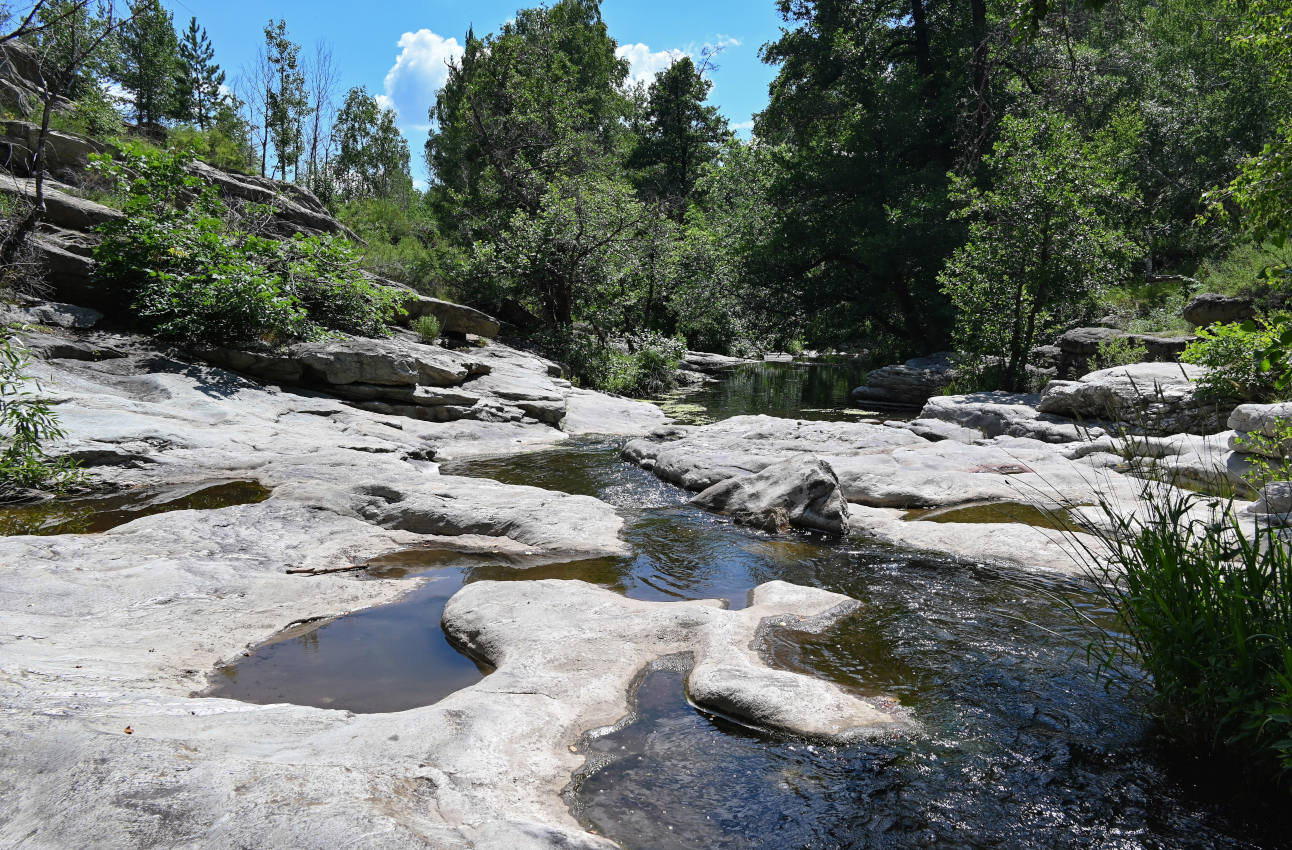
742, 126
644, 63
418, 74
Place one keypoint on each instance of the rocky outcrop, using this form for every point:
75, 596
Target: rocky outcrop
909, 384
999, 414
453, 318
1152, 398
1079, 348
21, 84
710, 364
107, 637
802, 492
295, 208
66, 155
1210, 308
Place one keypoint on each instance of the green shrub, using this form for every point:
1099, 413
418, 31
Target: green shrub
1122, 351
649, 367
1237, 355
26, 423
427, 328
202, 273
213, 146
1205, 610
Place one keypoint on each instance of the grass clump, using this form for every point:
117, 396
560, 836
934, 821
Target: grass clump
1204, 608
427, 329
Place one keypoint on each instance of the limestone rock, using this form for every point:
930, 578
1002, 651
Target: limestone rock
1157, 398
804, 488
454, 318
997, 414
709, 363
909, 384
383, 361
1210, 308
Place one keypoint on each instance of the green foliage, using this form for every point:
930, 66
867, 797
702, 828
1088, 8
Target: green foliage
1122, 351
92, 115
201, 85
1043, 240
27, 422
223, 145
1242, 358
427, 329
1205, 609
372, 157
199, 272
648, 366
402, 241
286, 101
148, 64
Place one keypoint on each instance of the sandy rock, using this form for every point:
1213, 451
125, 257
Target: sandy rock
803, 488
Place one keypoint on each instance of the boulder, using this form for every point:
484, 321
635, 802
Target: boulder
1003, 414
454, 318
383, 361
804, 490
1152, 398
709, 363
1079, 348
909, 384
66, 154
1210, 308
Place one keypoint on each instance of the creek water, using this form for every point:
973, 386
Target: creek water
1020, 744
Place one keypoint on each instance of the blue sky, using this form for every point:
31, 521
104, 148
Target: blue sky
397, 49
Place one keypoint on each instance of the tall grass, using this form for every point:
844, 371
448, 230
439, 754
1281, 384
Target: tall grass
1204, 605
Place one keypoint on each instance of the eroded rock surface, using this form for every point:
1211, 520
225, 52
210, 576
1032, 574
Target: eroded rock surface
802, 492
1155, 398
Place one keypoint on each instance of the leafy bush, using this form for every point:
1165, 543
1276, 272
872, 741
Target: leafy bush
1122, 351
1205, 610
1238, 356
648, 367
402, 242
427, 328
213, 146
26, 423
202, 273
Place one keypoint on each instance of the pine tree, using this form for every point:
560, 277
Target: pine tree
149, 66
203, 78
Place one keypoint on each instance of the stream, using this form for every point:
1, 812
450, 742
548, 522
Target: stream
1020, 744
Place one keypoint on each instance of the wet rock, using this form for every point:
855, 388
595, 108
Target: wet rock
802, 492
909, 384
1155, 398
1210, 308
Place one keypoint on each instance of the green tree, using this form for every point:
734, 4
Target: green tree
203, 78
678, 136
149, 65
372, 157
286, 102
1044, 238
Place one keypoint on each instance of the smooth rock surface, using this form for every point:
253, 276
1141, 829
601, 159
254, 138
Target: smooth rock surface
1156, 398
804, 490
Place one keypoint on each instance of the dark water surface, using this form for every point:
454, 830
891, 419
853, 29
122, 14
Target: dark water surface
98, 514
795, 390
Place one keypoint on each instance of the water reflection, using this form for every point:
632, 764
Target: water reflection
794, 390
94, 515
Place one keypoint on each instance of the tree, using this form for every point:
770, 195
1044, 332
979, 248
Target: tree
203, 78
679, 135
322, 78
149, 65
372, 157
1044, 239
286, 101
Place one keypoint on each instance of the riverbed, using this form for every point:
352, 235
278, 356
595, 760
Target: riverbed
1020, 743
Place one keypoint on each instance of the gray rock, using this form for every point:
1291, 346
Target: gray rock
804, 490
295, 207
55, 314
909, 384
384, 361
1267, 419
709, 363
454, 318
1002, 414
1275, 498
62, 208
1079, 348
1155, 398
1210, 308
66, 154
